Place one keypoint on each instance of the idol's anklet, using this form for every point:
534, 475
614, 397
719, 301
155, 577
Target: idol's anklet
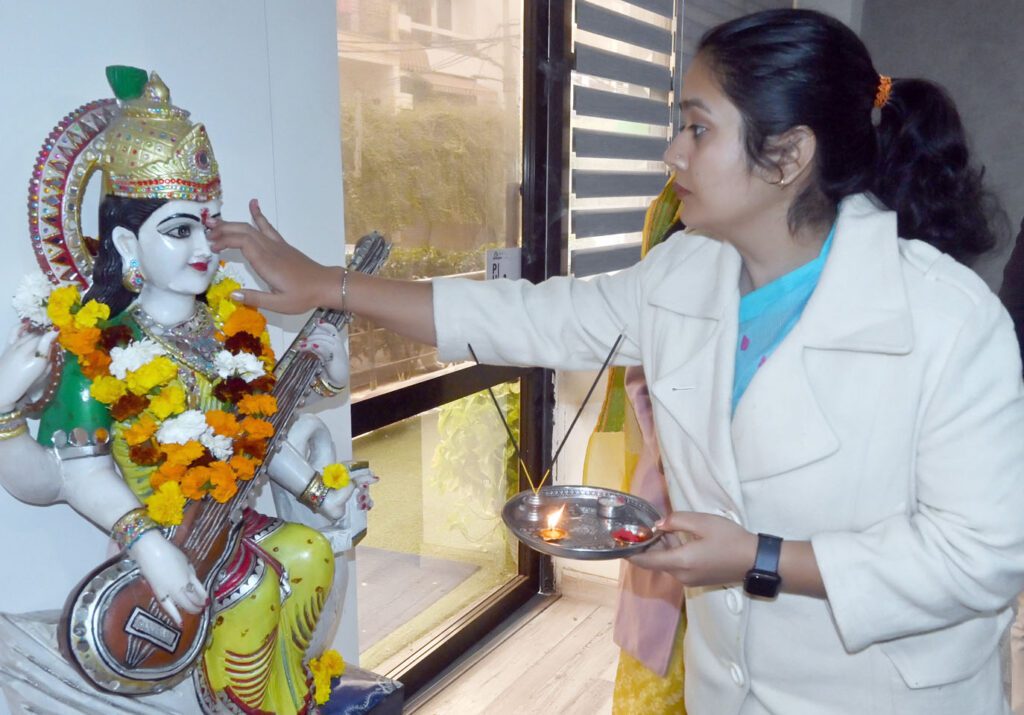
127, 530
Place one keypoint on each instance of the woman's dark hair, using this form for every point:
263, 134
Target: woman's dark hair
789, 68
106, 272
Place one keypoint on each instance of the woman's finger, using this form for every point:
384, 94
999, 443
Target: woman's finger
263, 223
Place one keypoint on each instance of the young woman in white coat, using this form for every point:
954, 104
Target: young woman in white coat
820, 373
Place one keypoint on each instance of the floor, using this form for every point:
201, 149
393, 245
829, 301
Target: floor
562, 660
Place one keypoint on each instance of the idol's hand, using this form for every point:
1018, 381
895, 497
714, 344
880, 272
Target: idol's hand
22, 364
297, 282
327, 344
363, 499
169, 574
701, 550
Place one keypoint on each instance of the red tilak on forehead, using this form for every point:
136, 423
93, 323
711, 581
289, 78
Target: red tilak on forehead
205, 216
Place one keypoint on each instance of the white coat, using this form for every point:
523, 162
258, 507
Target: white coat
887, 429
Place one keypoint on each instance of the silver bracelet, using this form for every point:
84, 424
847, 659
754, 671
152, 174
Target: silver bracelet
344, 290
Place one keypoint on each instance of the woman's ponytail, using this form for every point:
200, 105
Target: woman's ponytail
925, 175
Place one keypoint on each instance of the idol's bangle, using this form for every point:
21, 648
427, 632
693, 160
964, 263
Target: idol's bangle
344, 290
14, 415
325, 388
130, 527
315, 492
10, 430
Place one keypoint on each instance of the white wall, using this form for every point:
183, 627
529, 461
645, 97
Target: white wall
263, 78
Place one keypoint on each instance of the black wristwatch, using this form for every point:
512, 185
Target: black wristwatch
763, 579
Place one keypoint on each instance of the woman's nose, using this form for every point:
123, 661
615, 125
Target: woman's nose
675, 155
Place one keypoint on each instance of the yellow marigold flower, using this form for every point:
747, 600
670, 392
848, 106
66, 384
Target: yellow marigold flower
224, 311
245, 319
257, 428
166, 505
220, 292
107, 389
336, 476
58, 308
222, 477
169, 401
264, 405
330, 664
91, 313
183, 454
158, 371
79, 341
144, 428
196, 482
245, 467
222, 423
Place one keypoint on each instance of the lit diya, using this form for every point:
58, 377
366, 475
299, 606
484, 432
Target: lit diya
553, 532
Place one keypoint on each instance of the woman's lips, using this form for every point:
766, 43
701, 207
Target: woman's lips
200, 266
681, 191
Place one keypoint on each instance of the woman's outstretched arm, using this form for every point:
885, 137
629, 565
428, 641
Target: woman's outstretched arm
298, 283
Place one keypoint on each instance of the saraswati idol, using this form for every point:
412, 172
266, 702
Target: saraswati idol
161, 408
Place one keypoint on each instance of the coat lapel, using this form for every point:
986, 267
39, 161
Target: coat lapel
859, 305
690, 369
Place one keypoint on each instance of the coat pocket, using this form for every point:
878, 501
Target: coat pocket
947, 655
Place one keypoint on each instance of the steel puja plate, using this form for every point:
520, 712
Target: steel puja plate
598, 523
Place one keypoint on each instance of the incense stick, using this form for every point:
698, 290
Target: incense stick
554, 458
565, 438
508, 429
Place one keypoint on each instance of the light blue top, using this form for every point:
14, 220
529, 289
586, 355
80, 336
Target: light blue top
769, 313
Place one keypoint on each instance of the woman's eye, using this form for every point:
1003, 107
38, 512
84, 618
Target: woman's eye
697, 130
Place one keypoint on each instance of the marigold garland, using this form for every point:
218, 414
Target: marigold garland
194, 457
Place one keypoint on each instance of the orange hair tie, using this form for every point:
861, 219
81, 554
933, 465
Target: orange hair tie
884, 90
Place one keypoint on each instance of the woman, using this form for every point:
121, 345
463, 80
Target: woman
163, 399
817, 375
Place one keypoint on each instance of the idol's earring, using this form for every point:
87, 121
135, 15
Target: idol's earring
132, 278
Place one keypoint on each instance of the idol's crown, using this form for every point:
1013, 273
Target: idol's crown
152, 150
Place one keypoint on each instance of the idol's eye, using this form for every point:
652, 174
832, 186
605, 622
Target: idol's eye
182, 230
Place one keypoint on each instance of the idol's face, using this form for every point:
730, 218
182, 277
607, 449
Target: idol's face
172, 248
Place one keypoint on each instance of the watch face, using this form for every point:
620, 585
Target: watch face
762, 583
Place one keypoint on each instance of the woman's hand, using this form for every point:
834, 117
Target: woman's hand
169, 574
22, 364
326, 343
701, 550
297, 282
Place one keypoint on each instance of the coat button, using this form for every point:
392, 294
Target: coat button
737, 674
733, 601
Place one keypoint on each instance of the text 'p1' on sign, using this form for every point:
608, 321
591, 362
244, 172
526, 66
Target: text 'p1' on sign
504, 263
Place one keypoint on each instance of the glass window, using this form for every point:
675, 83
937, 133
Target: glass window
435, 543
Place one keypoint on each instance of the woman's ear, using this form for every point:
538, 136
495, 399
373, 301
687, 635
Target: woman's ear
792, 153
126, 243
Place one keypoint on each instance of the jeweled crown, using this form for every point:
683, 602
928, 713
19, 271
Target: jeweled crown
152, 150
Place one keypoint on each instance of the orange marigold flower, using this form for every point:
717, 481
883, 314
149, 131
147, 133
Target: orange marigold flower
167, 472
245, 468
183, 454
145, 455
265, 405
264, 383
80, 341
223, 479
128, 406
196, 482
245, 319
257, 428
144, 428
95, 364
222, 423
